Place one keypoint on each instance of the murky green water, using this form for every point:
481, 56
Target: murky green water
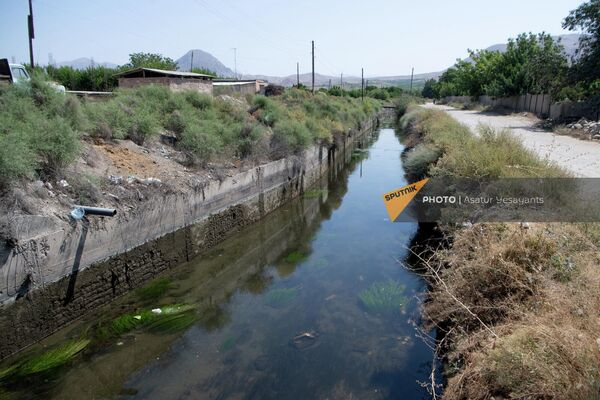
281, 310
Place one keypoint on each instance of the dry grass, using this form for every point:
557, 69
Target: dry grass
519, 305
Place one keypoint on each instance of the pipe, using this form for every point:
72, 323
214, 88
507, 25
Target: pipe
84, 210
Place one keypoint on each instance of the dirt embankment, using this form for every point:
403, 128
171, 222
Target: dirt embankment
515, 304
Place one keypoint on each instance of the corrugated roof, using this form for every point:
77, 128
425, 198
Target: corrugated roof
180, 74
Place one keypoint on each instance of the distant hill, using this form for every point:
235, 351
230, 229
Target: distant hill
202, 59
84, 62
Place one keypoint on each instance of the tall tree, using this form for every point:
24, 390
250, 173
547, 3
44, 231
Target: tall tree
586, 18
151, 60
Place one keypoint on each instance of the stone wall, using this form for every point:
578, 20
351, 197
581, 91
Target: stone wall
59, 273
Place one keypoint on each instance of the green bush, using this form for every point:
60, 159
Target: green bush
202, 140
291, 135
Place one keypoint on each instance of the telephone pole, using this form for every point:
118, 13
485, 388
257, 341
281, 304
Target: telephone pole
313, 66
362, 84
192, 62
298, 74
342, 81
31, 34
411, 79
235, 62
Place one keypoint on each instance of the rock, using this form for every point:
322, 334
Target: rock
115, 180
63, 183
598, 343
577, 126
525, 225
48, 185
152, 181
596, 137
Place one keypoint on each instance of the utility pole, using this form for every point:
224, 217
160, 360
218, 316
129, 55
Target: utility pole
192, 62
362, 84
298, 74
330, 83
31, 34
342, 81
412, 74
235, 62
313, 66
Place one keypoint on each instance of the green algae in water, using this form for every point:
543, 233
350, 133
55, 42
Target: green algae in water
315, 193
382, 297
278, 298
44, 362
228, 344
154, 289
170, 319
295, 257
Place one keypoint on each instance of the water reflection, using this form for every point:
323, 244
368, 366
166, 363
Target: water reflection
279, 314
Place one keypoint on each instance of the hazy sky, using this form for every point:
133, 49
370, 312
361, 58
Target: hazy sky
384, 37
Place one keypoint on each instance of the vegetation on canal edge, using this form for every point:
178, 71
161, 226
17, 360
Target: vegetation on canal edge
516, 305
383, 297
154, 289
41, 130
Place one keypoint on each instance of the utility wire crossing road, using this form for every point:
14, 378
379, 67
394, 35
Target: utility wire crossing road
581, 157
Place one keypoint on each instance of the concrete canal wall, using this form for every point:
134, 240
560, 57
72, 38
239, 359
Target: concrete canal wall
58, 272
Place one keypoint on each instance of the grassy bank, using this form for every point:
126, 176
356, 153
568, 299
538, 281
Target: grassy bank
517, 305
41, 131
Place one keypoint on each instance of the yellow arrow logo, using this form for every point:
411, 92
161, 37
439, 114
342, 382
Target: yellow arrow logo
397, 200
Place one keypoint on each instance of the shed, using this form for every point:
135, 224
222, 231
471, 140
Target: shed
174, 80
231, 86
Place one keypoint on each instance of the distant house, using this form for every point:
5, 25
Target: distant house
174, 80
231, 86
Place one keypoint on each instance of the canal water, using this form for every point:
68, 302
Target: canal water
286, 309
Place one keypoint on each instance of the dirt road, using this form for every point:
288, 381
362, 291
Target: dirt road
581, 157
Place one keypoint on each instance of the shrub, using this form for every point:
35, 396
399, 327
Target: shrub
201, 101
142, 126
417, 161
268, 111
202, 140
291, 135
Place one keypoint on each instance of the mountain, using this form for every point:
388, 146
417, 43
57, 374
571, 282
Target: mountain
205, 60
84, 62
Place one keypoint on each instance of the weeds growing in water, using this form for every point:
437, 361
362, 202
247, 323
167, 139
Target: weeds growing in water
45, 362
278, 298
295, 257
154, 289
170, 319
228, 344
383, 297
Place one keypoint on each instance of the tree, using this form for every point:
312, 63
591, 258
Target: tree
151, 60
204, 71
586, 18
430, 90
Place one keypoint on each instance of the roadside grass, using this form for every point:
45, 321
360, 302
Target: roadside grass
518, 306
41, 130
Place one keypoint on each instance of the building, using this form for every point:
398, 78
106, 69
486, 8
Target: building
231, 86
174, 80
